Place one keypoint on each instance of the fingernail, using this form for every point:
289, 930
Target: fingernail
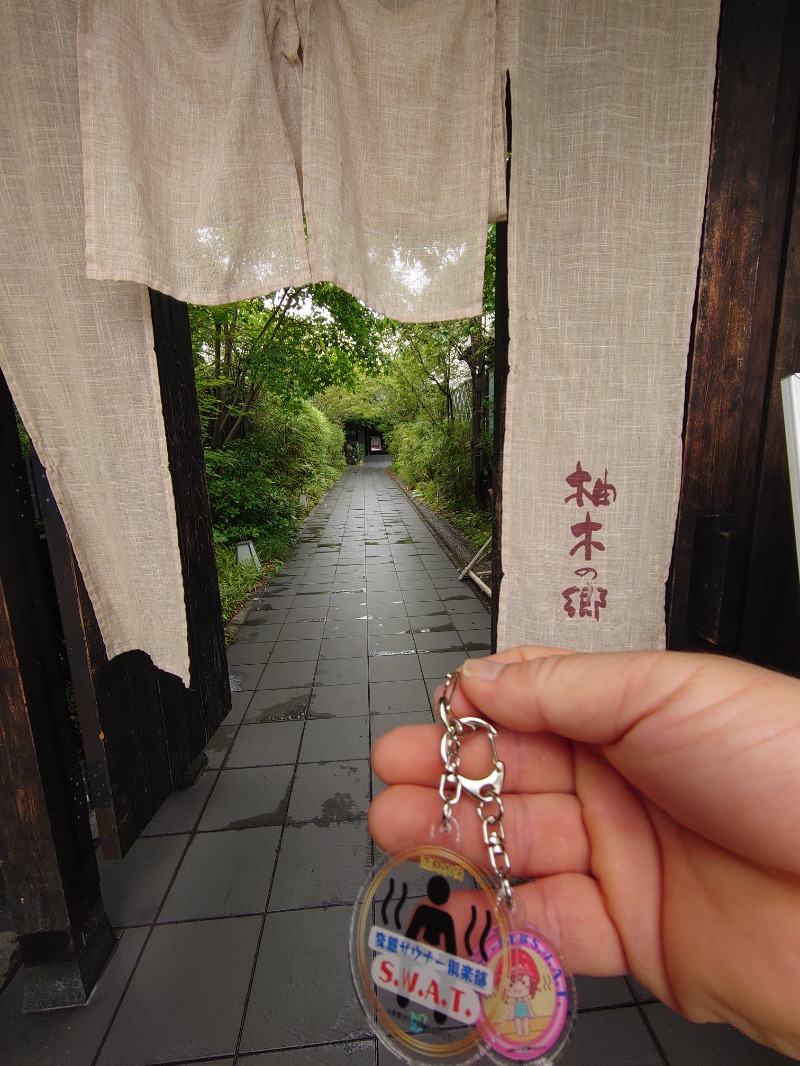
482, 669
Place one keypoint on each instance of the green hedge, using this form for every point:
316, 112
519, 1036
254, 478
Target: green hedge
435, 463
255, 486
435, 460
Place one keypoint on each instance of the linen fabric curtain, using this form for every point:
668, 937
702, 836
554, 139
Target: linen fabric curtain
612, 114
191, 180
397, 148
78, 355
213, 130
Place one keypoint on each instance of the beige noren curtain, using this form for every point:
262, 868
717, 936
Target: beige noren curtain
612, 114
397, 146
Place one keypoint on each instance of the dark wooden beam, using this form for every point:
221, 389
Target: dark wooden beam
771, 615
143, 730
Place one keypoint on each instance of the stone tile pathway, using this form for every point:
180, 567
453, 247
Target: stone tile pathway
233, 908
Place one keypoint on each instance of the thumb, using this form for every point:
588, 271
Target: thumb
591, 697
598, 697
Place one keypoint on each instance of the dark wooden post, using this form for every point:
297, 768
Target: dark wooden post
50, 870
190, 716
501, 339
734, 586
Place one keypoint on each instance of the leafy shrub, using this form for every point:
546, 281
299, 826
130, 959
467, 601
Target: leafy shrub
435, 460
236, 580
255, 483
247, 501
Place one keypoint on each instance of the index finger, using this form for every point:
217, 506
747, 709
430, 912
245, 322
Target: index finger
411, 754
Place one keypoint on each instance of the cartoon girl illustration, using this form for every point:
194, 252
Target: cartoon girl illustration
523, 984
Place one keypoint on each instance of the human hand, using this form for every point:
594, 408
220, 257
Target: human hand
655, 797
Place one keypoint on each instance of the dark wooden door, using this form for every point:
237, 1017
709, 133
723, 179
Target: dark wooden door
734, 584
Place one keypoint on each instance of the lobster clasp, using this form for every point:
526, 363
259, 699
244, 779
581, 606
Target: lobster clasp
492, 784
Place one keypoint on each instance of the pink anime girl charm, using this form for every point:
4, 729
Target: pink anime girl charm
529, 1014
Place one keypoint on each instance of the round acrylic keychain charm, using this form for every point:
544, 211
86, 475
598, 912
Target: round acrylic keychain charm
530, 1013
419, 956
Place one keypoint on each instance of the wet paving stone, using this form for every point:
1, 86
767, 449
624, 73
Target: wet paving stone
343, 647
287, 675
386, 697
313, 948
134, 887
321, 866
218, 746
614, 1038
349, 627
292, 651
257, 634
439, 664
245, 655
350, 1053
245, 677
180, 812
267, 744
338, 701
331, 793
250, 798
423, 598
382, 611
439, 642
383, 644
67, 1037
307, 615
435, 621
180, 1005
341, 672
395, 668
278, 705
349, 610
223, 874
335, 739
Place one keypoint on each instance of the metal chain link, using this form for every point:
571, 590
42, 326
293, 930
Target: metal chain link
450, 783
486, 790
